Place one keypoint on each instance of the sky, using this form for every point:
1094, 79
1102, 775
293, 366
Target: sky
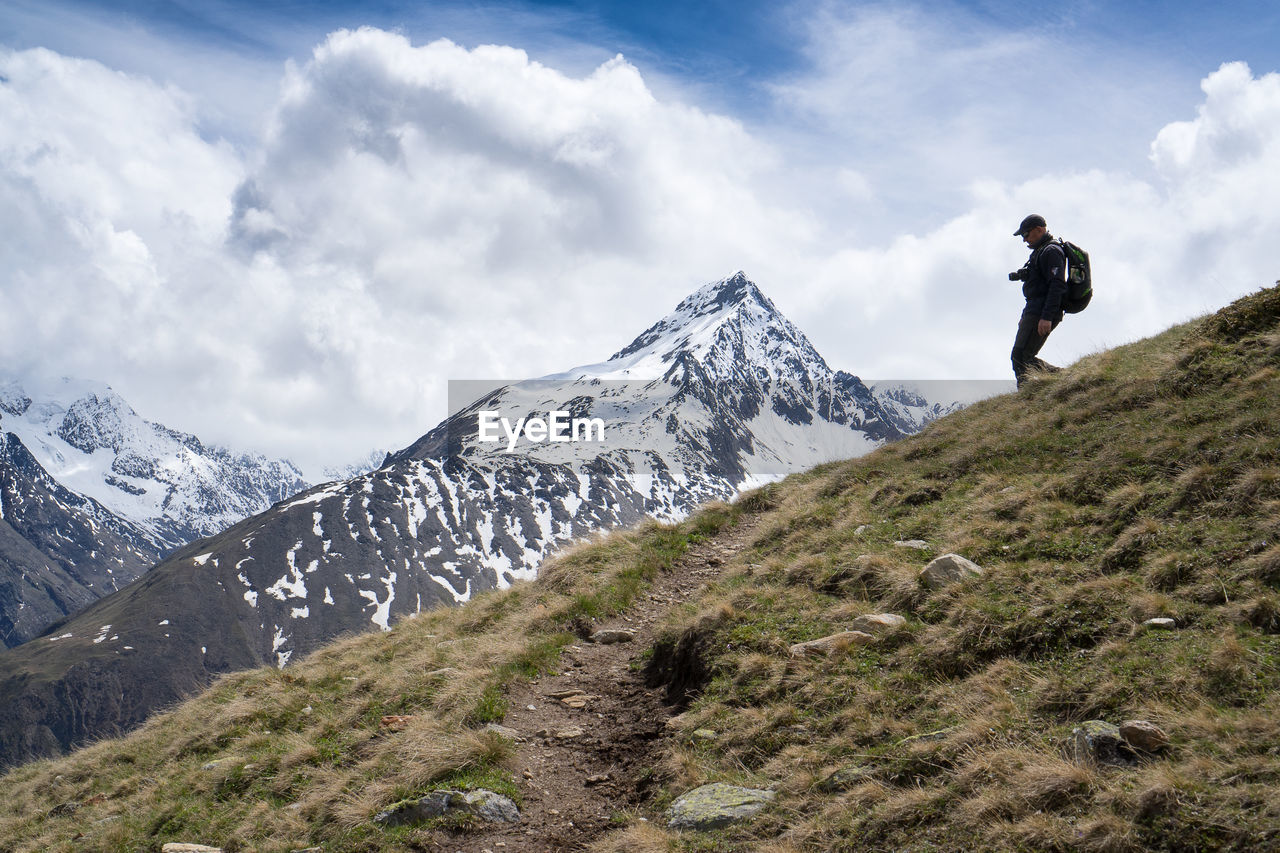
285, 226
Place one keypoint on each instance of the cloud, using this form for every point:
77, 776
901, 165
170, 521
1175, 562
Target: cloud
419, 213
109, 193
925, 99
414, 213
1165, 245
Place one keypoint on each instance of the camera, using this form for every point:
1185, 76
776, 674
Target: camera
1019, 275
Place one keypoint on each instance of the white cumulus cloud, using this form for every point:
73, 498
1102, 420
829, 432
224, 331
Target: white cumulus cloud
415, 213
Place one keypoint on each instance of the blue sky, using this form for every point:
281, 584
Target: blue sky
357, 217
726, 44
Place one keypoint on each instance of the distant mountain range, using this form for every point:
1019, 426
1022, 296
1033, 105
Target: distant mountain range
92, 495
721, 395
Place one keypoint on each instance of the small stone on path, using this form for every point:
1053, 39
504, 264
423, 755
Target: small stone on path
503, 731
1160, 623
918, 544
182, 847
609, 636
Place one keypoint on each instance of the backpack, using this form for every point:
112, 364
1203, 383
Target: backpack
1079, 278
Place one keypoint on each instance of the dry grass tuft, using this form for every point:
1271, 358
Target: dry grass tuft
1122, 505
1129, 547
1254, 484
683, 770
1050, 783
639, 837
1168, 571
1107, 833
428, 750
1197, 485
1039, 832
1265, 566
567, 570
1226, 671
1151, 605
1262, 612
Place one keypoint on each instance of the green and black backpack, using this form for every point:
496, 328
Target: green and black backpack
1079, 278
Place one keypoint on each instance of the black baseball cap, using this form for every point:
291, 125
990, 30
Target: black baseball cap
1030, 222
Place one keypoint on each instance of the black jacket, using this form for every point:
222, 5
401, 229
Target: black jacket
1046, 282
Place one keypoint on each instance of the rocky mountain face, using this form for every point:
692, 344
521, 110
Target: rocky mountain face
722, 394
59, 550
92, 495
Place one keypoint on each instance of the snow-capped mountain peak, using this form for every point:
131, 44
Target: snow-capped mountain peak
732, 305
695, 320
718, 330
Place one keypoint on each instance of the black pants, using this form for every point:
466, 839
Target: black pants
1027, 344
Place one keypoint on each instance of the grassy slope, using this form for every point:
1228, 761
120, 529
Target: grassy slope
1143, 482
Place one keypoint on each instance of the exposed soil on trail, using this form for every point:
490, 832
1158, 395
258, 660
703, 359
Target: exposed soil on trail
590, 734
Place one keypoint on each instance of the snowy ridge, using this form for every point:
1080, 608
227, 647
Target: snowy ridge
94, 496
90, 440
909, 409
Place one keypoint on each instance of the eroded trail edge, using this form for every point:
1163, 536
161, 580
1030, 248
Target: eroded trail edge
589, 736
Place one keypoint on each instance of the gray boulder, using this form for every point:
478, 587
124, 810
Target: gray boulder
486, 805
716, 805
948, 569
1099, 742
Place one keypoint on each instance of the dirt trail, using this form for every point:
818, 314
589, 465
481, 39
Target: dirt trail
577, 766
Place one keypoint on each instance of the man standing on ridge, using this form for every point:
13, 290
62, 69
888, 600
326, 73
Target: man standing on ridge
1044, 284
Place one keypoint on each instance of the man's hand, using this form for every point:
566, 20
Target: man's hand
1044, 328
